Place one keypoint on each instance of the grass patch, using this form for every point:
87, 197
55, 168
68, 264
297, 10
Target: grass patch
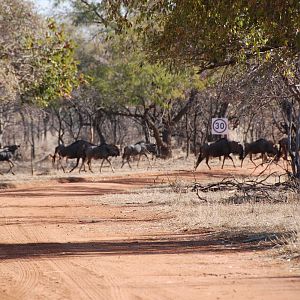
280, 220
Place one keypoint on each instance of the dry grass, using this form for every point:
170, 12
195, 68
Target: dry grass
187, 213
182, 206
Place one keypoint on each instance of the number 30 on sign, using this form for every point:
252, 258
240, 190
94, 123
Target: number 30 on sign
219, 126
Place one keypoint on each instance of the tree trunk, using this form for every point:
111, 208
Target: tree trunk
45, 125
60, 128
25, 128
188, 135
195, 134
97, 125
32, 138
297, 160
115, 129
146, 131
165, 143
1, 127
164, 150
92, 133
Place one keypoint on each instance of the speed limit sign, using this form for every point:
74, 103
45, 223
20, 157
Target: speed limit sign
219, 126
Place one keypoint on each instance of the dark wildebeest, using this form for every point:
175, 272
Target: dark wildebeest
7, 154
103, 151
222, 147
153, 149
75, 150
137, 149
261, 146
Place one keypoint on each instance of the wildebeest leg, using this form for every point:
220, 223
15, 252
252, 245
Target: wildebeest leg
89, 163
102, 164
126, 161
84, 170
11, 165
139, 160
52, 159
123, 162
252, 160
198, 161
109, 164
59, 163
223, 161
147, 159
207, 159
242, 162
82, 165
77, 162
229, 158
245, 155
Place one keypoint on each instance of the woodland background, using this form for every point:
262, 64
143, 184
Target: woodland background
148, 70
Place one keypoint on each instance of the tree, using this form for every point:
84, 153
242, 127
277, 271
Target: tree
54, 67
130, 86
17, 22
37, 63
291, 107
206, 34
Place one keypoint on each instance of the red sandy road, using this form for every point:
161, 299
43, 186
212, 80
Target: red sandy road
58, 243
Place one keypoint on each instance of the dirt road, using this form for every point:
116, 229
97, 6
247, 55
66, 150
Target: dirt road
58, 242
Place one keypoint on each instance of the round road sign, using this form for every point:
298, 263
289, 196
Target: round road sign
219, 125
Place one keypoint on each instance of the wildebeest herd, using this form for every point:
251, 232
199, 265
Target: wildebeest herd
87, 152
224, 147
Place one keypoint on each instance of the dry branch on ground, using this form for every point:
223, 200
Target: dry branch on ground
250, 189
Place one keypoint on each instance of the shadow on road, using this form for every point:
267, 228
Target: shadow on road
175, 244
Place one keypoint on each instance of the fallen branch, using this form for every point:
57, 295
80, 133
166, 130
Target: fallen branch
256, 189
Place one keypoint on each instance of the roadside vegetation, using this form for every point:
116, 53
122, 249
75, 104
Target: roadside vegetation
272, 222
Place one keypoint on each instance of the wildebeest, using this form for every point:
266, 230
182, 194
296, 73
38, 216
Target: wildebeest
152, 148
6, 154
137, 149
222, 147
261, 146
103, 151
75, 150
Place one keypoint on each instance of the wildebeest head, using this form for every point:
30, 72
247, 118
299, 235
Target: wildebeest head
236, 148
12, 148
241, 151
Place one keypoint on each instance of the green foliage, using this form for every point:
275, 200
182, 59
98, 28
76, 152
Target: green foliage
201, 33
54, 67
37, 64
128, 79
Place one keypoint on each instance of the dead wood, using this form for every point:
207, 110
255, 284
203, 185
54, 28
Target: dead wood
250, 189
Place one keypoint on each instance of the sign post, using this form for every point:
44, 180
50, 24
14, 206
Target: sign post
219, 126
